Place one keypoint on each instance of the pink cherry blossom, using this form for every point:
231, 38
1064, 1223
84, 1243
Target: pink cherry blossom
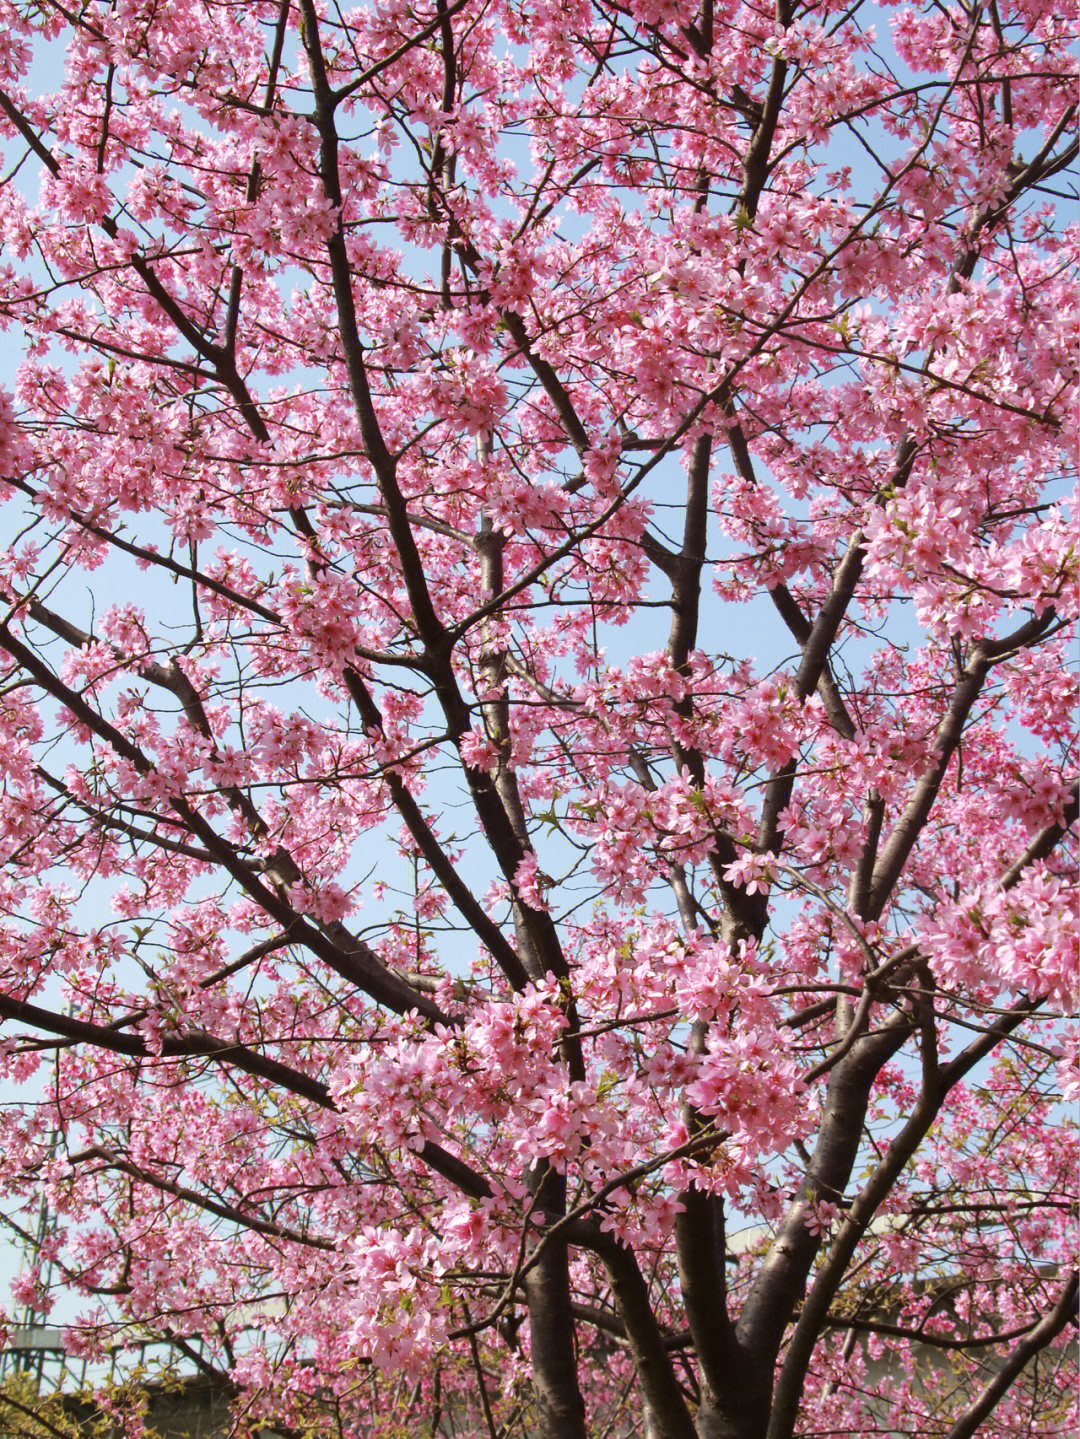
538, 787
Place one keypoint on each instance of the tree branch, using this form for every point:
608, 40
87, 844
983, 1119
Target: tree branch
1044, 1333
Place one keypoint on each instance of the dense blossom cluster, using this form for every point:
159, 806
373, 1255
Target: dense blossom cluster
537, 763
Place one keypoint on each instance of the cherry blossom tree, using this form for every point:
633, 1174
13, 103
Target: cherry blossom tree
539, 787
